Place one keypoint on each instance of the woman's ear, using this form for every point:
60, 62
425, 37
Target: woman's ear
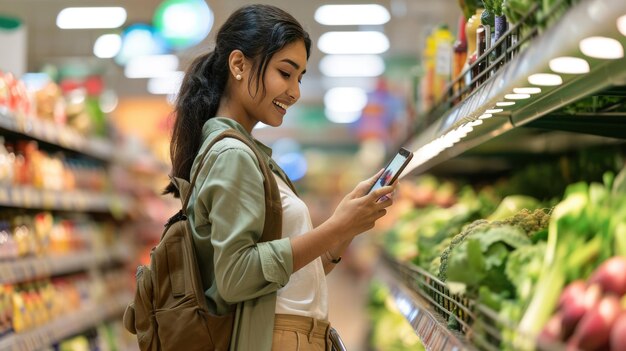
237, 64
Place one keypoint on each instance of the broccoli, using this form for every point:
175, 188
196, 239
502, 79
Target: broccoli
530, 222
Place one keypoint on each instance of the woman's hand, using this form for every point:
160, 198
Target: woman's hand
358, 211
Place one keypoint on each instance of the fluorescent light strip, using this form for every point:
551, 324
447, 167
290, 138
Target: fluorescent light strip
602, 48
107, 46
352, 65
166, 85
151, 66
569, 65
621, 25
485, 115
494, 110
505, 103
365, 42
545, 79
341, 15
529, 90
516, 96
91, 17
344, 104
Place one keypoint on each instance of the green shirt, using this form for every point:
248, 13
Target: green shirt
227, 214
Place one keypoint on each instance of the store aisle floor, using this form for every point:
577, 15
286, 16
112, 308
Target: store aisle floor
348, 306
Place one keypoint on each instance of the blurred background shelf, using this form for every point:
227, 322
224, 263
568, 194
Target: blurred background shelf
30, 268
66, 326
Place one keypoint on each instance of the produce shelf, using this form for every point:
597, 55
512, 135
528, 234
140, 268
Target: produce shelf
30, 268
75, 200
430, 308
452, 131
64, 327
419, 308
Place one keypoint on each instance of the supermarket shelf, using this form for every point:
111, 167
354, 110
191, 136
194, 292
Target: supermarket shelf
428, 324
66, 326
58, 135
76, 200
26, 269
69, 139
587, 18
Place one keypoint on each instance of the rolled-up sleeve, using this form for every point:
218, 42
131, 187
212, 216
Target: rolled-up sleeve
233, 198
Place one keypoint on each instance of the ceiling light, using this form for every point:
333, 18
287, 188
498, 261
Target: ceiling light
352, 65
367, 42
621, 25
342, 116
516, 96
602, 48
183, 23
569, 65
344, 104
91, 17
544, 79
107, 45
339, 15
485, 115
505, 103
494, 110
166, 85
140, 40
151, 66
529, 90
475, 123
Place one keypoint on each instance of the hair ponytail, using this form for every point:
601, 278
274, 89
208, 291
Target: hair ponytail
259, 31
197, 101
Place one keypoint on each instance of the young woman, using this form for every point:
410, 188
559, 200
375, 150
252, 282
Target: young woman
277, 287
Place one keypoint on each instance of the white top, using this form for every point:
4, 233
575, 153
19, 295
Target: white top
306, 293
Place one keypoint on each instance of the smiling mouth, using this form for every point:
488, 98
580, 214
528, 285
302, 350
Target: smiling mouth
279, 104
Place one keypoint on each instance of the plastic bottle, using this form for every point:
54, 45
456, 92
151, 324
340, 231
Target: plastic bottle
443, 60
459, 55
470, 33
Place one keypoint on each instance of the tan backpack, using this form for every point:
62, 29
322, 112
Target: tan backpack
169, 311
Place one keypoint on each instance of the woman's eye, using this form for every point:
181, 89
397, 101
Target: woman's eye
285, 74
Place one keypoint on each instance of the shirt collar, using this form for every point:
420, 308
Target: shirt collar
218, 124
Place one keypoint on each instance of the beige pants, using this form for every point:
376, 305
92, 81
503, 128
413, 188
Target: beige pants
297, 333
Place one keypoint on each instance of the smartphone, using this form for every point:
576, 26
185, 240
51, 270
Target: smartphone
393, 169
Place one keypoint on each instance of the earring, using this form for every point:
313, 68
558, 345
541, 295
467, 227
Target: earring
238, 77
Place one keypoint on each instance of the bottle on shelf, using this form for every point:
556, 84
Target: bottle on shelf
470, 33
459, 56
483, 40
443, 61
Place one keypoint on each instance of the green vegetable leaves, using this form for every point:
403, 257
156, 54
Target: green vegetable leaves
481, 259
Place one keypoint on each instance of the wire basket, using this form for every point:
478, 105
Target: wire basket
480, 324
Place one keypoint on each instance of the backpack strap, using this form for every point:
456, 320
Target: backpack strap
272, 228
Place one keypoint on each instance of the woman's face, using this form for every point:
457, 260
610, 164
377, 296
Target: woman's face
282, 86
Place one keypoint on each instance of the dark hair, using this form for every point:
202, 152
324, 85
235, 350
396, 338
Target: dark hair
259, 31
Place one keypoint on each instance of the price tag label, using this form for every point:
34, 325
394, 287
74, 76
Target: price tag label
17, 197
66, 200
80, 201
27, 197
48, 199
18, 272
4, 196
6, 274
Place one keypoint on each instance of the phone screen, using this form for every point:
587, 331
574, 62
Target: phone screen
393, 169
